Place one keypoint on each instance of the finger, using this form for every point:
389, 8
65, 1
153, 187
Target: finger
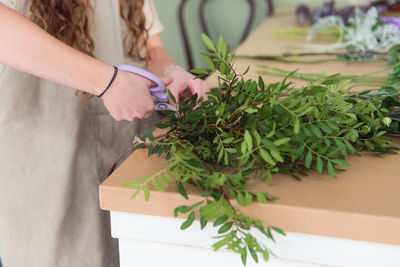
148, 114
147, 110
141, 109
206, 89
186, 93
196, 87
167, 80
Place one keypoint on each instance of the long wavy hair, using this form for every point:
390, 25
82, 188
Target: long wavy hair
69, 21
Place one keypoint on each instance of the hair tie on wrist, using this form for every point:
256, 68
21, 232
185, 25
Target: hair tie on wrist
111, 82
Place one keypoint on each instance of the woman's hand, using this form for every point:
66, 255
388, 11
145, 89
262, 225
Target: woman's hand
181, 80
162, 64
129, 97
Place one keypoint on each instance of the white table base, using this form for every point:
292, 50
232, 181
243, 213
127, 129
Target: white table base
152, 241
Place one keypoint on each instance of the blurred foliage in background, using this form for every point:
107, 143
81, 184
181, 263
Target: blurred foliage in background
228, 23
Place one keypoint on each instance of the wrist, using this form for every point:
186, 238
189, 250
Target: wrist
110, 83
102, 79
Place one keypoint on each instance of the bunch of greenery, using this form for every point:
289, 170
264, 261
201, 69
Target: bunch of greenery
367, 38
376, 79
366, 33
245, 130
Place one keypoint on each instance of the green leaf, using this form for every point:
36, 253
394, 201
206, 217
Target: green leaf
244, 256
209, 63
278, 230
185, 209
136, 193
251, 110
228, 140
331, 170
265, 155
188, 221
203, 222
265, 255
261, 83
339, 143
272, 132
168, 176
182, 191
340, 162
269, 177
208, 42
320, 165
249, 142
243, 147
308, 159
133, 184
225, 228
253, 254
220, 110
297, 126
220, 43
257, 137
261, 197
240, 199
163, 181
146, 191
268, 144
341, 146
220, 220
220, 155
221, 243
332, 126
157, 185
393, 55
281, 141
276, 155
325, 128
199, 71
150, 135
349, 146
316, 131
248, 198
171, 96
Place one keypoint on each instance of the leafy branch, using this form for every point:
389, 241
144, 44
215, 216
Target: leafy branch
246, 129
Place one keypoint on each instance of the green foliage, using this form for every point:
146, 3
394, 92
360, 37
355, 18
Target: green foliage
393, 55
247, 129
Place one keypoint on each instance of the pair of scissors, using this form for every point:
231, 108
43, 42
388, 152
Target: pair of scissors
158, 92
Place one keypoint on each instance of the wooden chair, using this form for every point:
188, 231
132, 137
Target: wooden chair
205, 28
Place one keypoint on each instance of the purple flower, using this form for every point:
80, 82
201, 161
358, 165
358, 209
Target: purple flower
392, 20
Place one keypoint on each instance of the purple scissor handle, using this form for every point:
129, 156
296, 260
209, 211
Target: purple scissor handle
158, 91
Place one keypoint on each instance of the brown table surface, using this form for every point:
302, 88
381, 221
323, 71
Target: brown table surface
363, 203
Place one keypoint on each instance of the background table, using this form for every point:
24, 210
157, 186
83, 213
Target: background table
353, 220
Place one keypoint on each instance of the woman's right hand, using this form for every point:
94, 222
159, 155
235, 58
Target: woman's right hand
129, 97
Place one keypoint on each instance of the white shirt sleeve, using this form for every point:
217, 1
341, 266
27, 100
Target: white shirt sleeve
153, 23
9, 3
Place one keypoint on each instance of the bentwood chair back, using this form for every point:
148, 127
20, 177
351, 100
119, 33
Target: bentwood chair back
233, 19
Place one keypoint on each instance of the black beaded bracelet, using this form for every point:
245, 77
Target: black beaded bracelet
111, 82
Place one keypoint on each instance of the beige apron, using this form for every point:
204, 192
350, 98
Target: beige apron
55, 149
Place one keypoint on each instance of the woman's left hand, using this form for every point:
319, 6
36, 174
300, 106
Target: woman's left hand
179, 80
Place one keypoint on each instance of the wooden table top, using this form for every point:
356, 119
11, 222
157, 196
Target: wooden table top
363, 203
